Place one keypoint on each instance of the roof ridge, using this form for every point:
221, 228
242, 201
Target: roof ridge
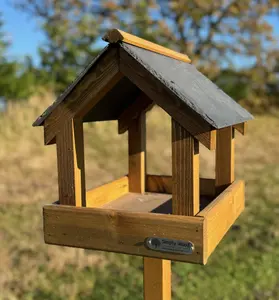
116, 35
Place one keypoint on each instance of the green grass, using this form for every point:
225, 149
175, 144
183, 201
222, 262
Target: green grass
245, 265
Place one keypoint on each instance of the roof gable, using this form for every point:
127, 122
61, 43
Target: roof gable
62, 97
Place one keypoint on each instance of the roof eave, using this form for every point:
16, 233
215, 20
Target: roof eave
41, 119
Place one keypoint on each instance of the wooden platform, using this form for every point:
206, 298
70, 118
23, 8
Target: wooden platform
148, 202
118, 221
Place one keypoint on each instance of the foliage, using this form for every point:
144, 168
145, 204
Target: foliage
217, 35
17, 79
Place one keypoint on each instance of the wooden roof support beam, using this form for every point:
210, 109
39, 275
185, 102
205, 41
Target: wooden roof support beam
185, 172
137, 150
224, 158
116, 35
70, 161
241, 127
162, 96
141, 105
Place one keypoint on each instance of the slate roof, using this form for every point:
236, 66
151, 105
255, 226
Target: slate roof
192, 87
182, 78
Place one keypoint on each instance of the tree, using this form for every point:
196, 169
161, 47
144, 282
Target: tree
217, 35
7, 69
16, 79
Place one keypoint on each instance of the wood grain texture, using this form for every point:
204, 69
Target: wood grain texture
163, 184
207, 187
136, 202
241, 127
107, 192
116, 35
141, 105
70, 161
119, 231
157, 279
185, 172
136, 150
224, 158
101, 78
220, 215
159, 184
162, 96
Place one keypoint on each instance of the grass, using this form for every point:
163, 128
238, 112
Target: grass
244, 266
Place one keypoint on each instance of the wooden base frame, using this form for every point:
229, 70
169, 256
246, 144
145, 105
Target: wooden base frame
123, 229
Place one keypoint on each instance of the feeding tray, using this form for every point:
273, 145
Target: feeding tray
125, 223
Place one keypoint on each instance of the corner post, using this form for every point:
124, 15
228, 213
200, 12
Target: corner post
70, 162
224, 158
185, 172
137, 149
157, 272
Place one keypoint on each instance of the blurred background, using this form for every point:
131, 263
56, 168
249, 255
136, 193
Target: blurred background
44, 44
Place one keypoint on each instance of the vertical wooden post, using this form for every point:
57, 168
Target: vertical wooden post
185, 172
224, 158
137, 149
70, 162
157, 279
157, 272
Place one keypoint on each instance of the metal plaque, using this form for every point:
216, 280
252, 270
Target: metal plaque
168, 245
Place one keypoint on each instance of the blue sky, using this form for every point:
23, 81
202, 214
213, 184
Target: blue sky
24, 32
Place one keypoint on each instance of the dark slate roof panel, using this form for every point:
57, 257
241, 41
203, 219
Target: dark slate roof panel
192, 87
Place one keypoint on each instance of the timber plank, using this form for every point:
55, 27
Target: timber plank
163, 184
224, 158
159, 184
107, 192
185, 172
221, 214
116, 35
137, 148
119, 231
157, 271
70, 162
136, 202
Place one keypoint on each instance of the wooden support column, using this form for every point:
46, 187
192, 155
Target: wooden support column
157, 272
224, 158
137, 148
70, 161
157, 279
185, 172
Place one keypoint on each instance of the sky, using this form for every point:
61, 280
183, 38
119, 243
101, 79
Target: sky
25, 35
22, 32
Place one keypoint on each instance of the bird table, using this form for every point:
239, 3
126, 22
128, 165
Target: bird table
165, 218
